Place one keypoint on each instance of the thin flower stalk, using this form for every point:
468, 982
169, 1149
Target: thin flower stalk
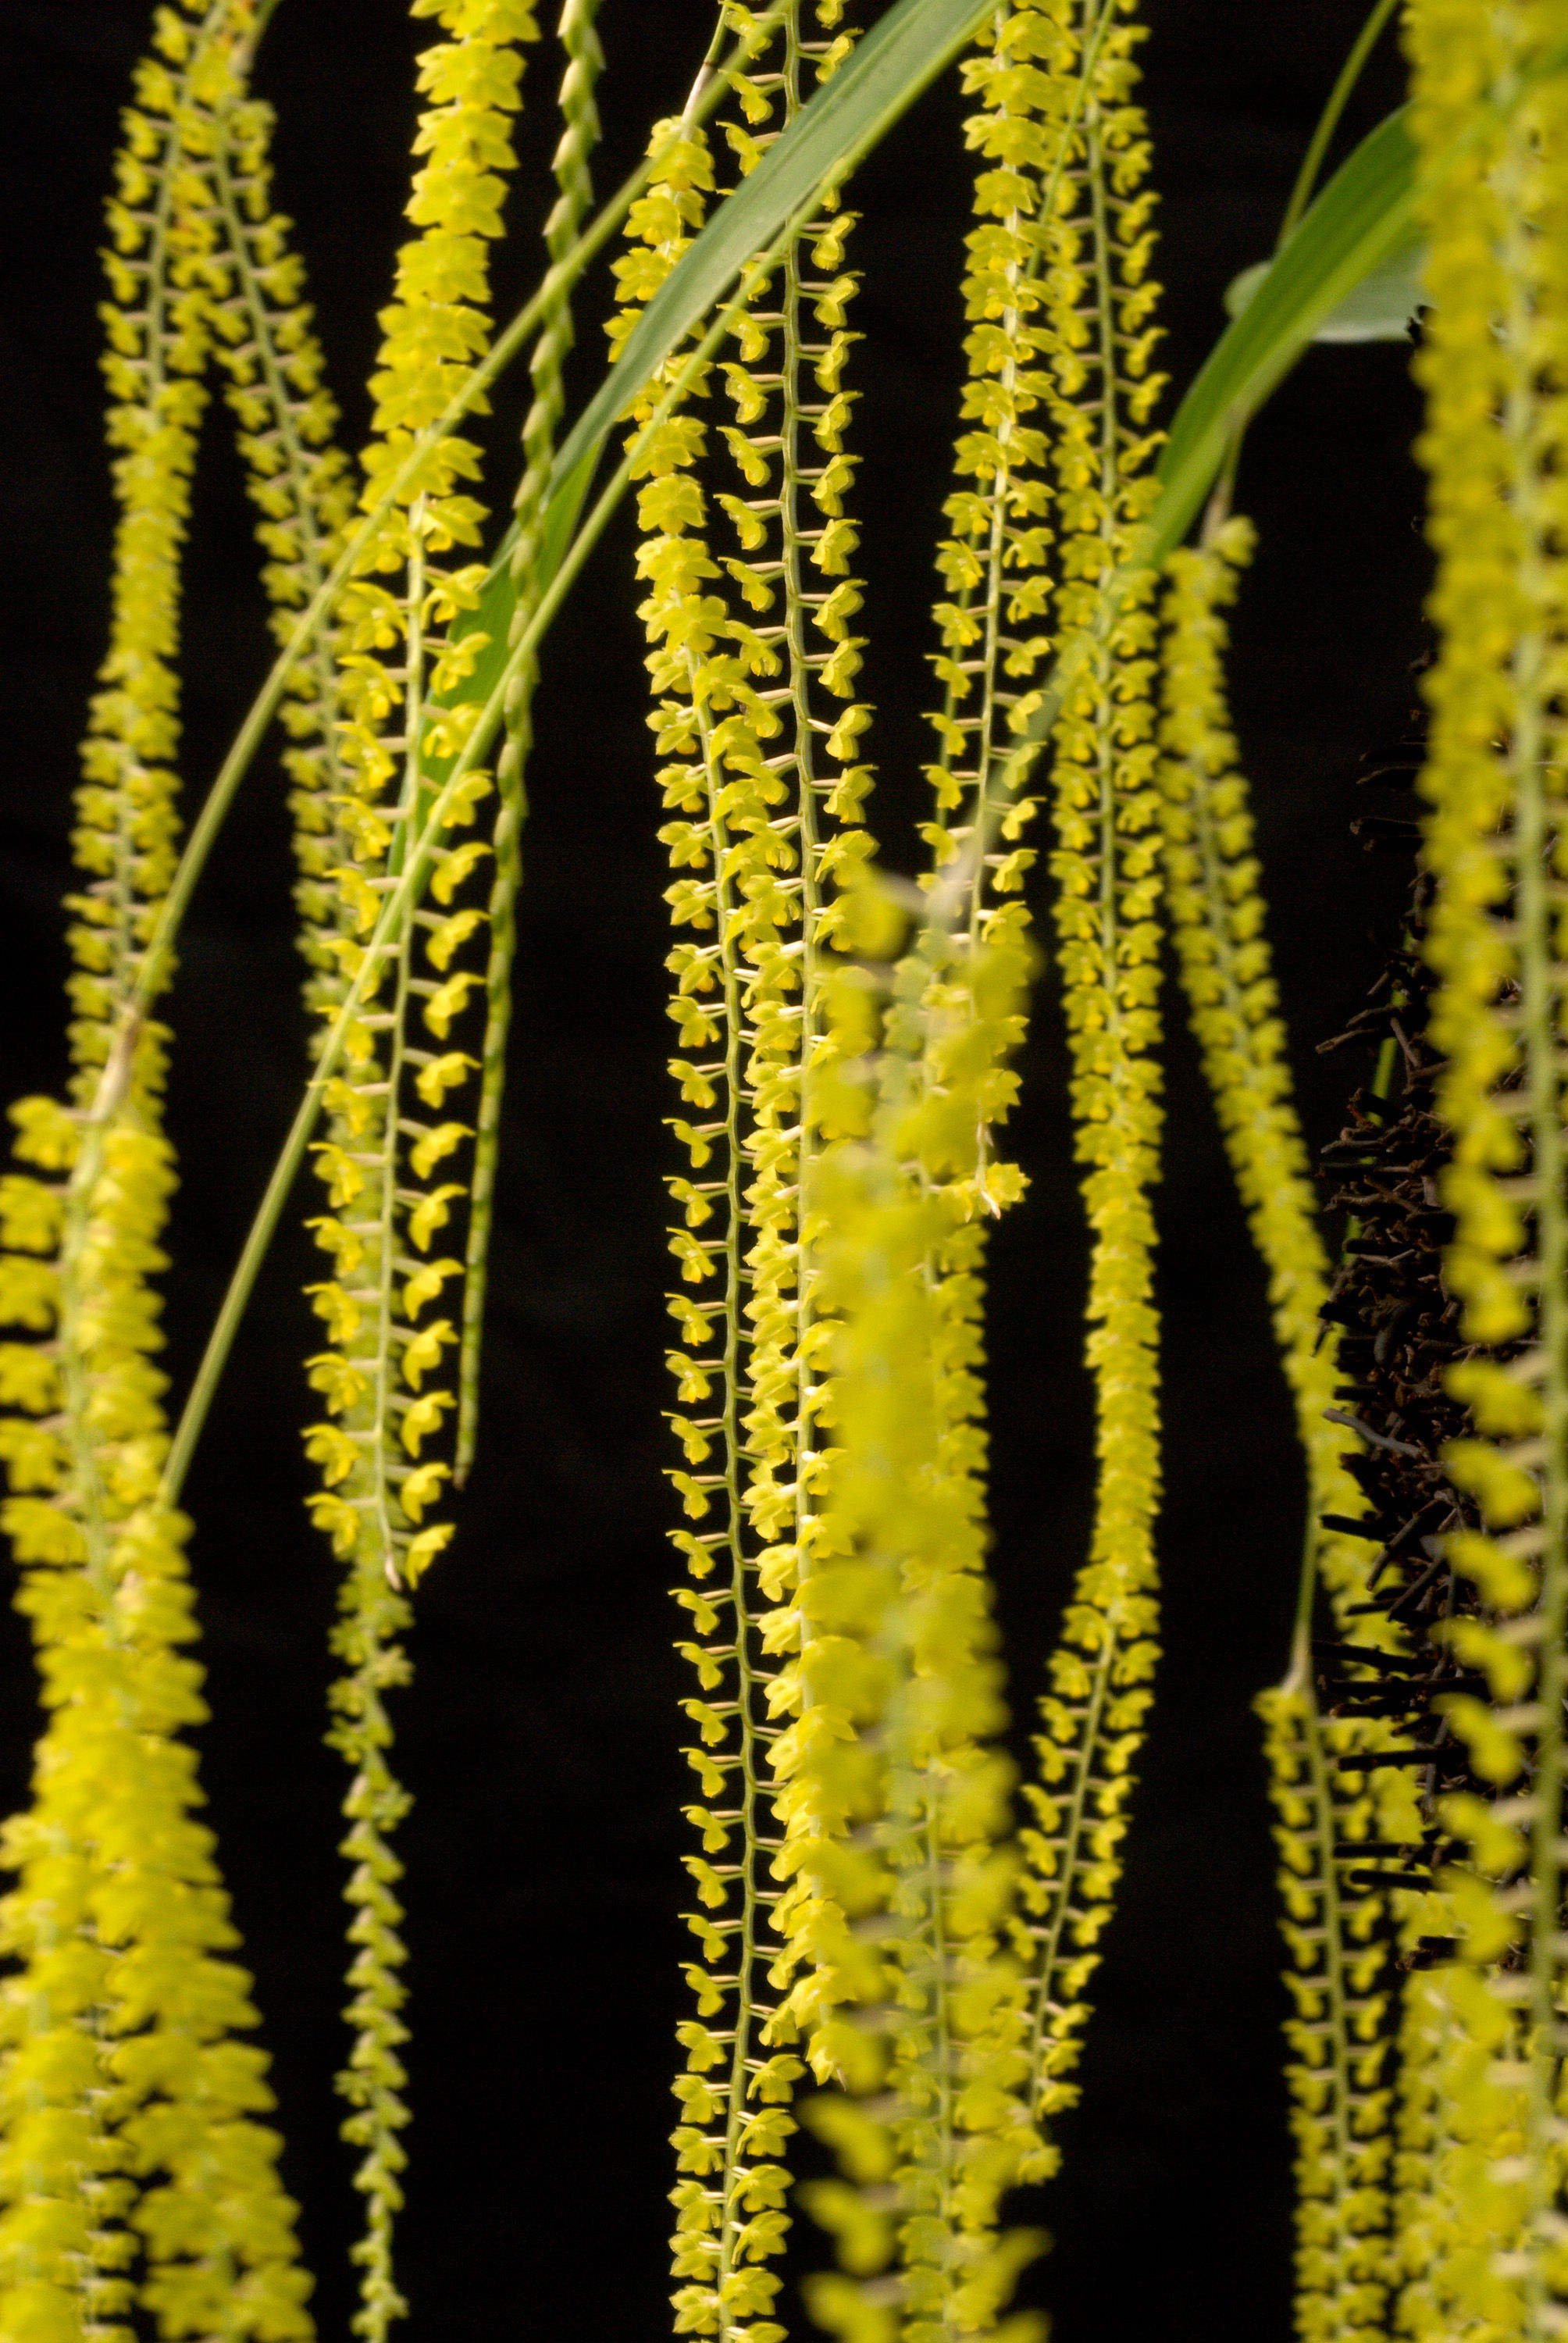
1067, 341
424, 868
579, 136
128, 2111
468, 395
1343, 2007
770, 791
1218, 922
1055, 80
380, 1150
727, 2169
130, 2108
1032, 76
1464, 2115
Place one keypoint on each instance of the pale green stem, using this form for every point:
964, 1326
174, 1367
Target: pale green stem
704, 73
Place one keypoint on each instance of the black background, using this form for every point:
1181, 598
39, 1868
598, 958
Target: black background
541, 1735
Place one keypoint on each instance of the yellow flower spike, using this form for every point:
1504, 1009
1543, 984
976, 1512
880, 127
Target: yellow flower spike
1217, 920
126, 2108
1058, 384
954, 2180
116, 1795
994, 566
1337, 2070
1483, 2253
285, 420
895, 1798
362, 730
570, 164
752, 666
1217, 917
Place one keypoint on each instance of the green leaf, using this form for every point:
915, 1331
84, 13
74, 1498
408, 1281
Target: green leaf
1382, 306
1379, 309
1361, 228
1363, 220
877, 82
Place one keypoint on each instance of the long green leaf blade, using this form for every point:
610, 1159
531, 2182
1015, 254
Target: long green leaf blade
1364, 216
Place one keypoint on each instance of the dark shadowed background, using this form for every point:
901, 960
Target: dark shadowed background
541, 1735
